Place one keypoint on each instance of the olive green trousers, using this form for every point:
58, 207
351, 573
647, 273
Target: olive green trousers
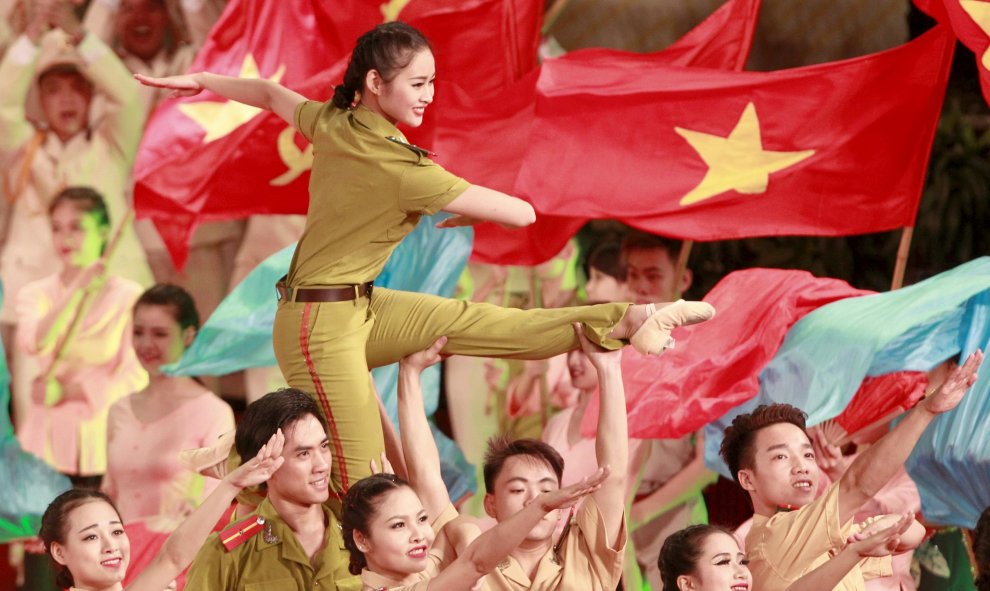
327, 348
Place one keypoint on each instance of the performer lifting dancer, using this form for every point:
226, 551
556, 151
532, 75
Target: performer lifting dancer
368, 189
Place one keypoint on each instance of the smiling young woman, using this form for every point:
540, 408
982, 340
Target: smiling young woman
368, 189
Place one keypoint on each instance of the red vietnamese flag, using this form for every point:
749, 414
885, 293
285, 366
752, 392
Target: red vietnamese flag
879, 397
206, 159
833, 149
970, 20
483, 138
714, 366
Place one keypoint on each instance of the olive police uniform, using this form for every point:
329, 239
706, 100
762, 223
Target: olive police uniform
368, 190
261, 552
783, 548
584, 561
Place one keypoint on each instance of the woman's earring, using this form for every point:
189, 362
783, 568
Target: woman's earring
357, 99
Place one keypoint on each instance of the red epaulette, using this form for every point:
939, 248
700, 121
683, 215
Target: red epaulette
241, 531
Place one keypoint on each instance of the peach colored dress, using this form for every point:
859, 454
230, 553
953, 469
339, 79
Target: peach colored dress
98, 368
144, 476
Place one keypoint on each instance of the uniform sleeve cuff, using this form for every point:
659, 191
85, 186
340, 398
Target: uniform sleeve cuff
23, 51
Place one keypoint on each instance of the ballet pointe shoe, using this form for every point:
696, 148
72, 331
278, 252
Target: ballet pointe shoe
653, 336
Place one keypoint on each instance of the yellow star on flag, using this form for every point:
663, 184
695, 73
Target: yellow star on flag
737, 162
219, 119
392, 8
980, 13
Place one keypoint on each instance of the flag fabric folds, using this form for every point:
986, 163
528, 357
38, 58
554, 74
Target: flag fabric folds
827, 355
32, 484
714, 365
200, 153
713, 155
970, 20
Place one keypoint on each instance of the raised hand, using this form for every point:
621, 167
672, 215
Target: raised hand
568, 496
598, 356
420, 360
183, 85
386, 466
948, 396
261, 467
874, 542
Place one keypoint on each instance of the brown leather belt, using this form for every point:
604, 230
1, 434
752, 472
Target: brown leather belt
323, 294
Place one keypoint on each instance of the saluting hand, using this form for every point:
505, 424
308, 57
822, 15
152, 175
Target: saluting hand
568, 496
261, 467
948, 396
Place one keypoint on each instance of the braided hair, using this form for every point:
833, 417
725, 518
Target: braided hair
387, 48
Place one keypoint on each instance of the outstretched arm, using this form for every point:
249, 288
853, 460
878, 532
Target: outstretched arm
263, 94
495, 545
423, 459
612, 442
182, 545
479, 204
877, 465
877, 544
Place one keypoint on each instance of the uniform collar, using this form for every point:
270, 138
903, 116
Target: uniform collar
276, 533
375, 122
546, 570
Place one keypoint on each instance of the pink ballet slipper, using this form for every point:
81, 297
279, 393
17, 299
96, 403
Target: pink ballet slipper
653, 336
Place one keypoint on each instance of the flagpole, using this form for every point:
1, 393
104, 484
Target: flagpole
84, 303
682, 260
552, 14
902, 256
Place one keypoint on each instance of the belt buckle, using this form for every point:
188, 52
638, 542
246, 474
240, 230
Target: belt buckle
282, 292
369, 289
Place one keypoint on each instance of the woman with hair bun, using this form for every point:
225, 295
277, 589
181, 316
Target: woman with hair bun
147, 430
368, 189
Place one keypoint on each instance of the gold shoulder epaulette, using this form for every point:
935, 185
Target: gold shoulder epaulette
241, 531
421, 151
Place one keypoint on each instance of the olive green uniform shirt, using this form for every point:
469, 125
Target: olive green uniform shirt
367, 190
273, 560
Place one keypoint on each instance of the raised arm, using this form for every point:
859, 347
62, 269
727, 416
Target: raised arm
423, 459
263, 94
182, 545
612, 441
495, 545
479, 204
875, 544
877, 465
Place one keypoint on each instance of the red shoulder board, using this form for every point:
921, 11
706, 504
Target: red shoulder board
242, 531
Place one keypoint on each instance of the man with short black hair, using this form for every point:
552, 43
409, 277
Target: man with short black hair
590, 553
292, 539
771, 457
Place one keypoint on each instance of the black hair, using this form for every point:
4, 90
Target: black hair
387, 48
739, 438
502, 448
84, 199
607, 258
55, 522
637, 240
359, 507
681, 551
273, 411
176, 299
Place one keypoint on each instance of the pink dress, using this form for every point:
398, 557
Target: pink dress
98, 367
144, 476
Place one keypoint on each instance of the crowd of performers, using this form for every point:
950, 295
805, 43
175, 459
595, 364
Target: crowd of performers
315, 488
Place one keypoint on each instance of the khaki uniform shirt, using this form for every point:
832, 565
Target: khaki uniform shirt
273, 560
440, 555
586, 562
788, 545
366, 193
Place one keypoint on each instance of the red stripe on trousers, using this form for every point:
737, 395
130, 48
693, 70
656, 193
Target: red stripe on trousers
321, 394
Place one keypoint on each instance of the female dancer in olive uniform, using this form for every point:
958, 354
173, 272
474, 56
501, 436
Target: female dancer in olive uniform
368, 189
